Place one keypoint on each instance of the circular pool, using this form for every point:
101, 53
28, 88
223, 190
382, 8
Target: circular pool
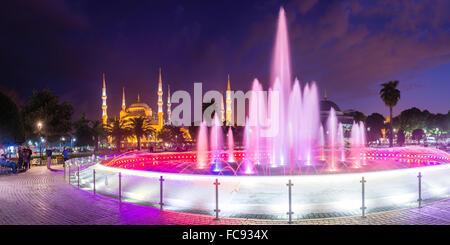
391, 182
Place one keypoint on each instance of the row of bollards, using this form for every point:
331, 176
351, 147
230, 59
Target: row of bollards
216, 184
363, 198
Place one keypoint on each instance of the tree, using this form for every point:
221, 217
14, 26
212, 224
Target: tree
97, 131
390, 96
140, 126
418, 134
56, 117
83, 131
374, 124
358, 116
400, 137
438, 123
11, 126
118, 130
193, 131
171, 134
411, 119
88, 132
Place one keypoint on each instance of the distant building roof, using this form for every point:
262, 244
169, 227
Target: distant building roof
326, 105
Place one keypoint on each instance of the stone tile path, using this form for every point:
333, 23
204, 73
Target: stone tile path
40, 196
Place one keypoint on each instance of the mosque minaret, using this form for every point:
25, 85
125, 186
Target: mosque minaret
229, 110
160, 100
104, 106
169, 112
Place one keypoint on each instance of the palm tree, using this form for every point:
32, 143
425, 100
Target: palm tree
140, 126
118, 130
390, 96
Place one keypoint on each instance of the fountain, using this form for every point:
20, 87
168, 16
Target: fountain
284, 139
283, 134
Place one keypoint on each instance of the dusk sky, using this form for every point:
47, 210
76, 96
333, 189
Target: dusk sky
348, 47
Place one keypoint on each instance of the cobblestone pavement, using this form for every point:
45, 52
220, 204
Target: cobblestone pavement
40, 196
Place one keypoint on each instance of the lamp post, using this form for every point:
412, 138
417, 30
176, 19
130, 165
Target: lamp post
39, 126
62, 143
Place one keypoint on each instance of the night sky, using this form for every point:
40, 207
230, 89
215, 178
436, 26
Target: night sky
348, 47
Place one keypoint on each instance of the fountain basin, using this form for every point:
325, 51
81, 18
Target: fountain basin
330, 193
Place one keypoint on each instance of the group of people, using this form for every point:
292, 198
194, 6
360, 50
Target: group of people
24, 157
23, 161
65, 154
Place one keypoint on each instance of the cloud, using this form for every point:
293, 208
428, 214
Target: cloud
304, 6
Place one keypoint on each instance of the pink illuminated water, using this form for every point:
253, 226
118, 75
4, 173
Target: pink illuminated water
230, 144
216, 143
341, 142
202, 146
322, 143
332, 139
283, 135
362, 141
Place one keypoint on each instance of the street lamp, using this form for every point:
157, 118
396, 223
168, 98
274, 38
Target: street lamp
63, 139
39, 126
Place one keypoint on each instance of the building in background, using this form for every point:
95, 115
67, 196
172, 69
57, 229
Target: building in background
134, 110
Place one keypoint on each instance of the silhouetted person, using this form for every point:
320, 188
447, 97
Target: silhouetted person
49, 157
27, 157
20, 154
65, 153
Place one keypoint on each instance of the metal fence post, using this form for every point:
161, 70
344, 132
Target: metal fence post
217, 210
78, 176
120, 187
363, 207
289, 185
93, 176
420, 189
69, 174
161, 203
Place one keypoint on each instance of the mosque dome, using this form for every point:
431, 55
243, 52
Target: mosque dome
139, 109
326, 105
139, 105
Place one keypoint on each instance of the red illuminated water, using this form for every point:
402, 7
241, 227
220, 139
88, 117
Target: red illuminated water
186, 162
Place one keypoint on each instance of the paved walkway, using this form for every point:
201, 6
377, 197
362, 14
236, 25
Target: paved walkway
40, 196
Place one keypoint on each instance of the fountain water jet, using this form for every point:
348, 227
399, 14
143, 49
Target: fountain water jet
281, 79
341, 142
249, 157
230, 141
332, 138
310, 120
202, 146
322, 143
362, 132
216, 143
